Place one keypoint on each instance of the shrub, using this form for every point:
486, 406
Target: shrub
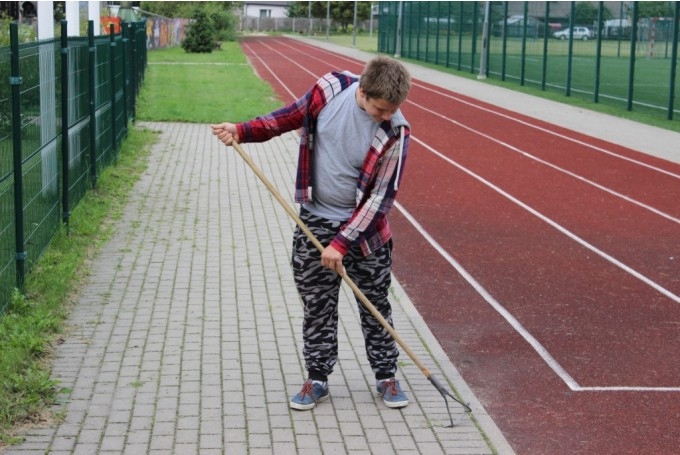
201, 36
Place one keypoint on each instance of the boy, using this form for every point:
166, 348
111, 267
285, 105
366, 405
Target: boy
353, 145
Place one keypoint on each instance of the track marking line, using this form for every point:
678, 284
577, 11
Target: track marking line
555, 225
554, 133
553, 166
515, 324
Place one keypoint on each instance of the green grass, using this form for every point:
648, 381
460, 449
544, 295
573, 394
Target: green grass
33, 322
203, 88
362, 41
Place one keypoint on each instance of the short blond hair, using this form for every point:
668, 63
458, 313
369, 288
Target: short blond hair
385, 78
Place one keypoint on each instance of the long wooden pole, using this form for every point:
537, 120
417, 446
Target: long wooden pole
360, 295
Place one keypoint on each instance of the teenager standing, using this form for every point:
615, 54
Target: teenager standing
353, 146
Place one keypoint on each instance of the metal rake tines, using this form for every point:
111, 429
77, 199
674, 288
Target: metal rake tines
446, 394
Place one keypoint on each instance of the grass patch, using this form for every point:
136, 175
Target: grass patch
31, 326
203, 88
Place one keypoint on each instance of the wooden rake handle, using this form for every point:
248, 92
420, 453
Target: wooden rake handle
360, 295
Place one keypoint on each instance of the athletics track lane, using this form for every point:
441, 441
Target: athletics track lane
601, 325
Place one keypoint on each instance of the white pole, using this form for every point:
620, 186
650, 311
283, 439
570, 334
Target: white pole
328, 20
73, 18
485, 43
354, 31
48, 96
397, 52
94, 15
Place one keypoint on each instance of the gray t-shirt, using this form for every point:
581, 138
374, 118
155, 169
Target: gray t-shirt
343, 137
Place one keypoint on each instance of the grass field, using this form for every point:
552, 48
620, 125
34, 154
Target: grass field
651, 81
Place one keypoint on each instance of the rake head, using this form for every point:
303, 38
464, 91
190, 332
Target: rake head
446, 394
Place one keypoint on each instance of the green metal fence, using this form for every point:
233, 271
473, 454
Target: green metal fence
628, 60
64, 111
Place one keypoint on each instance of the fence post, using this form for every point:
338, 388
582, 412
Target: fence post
674, 60
65, 151
15, 81
598, 54
570, 55
523, 60
504, 33
133, 70
546, 36
91, 89
112, 76
633, 45
124, 58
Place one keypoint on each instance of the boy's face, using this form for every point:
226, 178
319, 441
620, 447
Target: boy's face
379, 109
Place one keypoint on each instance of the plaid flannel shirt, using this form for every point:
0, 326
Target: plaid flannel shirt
380, 174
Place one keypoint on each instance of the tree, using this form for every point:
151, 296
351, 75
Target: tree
201, 36
186, 9
340, 12
654, 9
221, 14
585, 13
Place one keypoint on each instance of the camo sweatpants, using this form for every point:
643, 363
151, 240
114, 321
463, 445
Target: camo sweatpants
319, 289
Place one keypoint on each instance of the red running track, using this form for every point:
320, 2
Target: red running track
545, 262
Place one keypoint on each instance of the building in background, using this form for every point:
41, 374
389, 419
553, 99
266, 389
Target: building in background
265, 9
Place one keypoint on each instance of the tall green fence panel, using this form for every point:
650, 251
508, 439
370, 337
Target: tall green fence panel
102, 102
7, 240
616, 53
41, 143
118, 90
78, 119
64, 111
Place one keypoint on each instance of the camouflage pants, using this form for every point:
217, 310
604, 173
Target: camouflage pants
319, 289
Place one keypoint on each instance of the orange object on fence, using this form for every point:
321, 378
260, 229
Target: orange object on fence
106, 24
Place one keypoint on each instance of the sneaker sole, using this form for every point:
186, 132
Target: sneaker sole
307, 407
395, 404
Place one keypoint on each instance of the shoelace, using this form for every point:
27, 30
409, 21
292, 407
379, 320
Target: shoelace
391, 385
307, 389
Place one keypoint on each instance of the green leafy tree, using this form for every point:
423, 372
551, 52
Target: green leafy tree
340, 12
221, 14
171, 9
585, 13
5, 20
654, 9
201, 36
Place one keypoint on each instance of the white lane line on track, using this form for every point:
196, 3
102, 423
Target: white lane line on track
271, 72
553, 166
515, 324
538, 347
542, 352
554, 133
555, 225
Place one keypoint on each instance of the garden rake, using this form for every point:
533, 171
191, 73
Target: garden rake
360, 295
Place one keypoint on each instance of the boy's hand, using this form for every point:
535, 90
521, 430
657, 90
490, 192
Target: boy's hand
332, 259
225, 132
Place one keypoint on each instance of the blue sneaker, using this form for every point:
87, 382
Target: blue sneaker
391, 393
311, 394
